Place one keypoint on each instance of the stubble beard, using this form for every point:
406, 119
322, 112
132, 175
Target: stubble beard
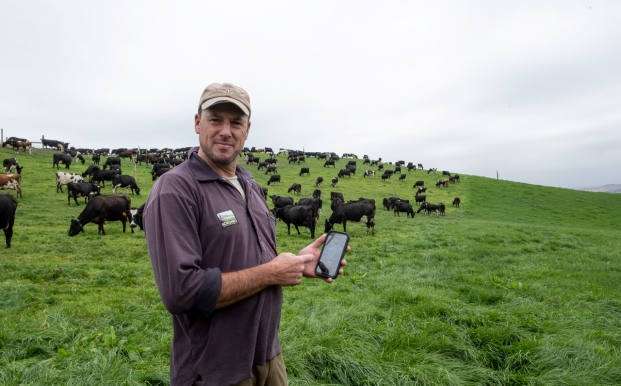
217, 160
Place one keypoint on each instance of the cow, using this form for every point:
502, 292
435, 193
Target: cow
315, 202
397, 168
58, 145
432, 170
298, 215
456, 201
420, 199
305, 171
390, 201
274, 178
380, 167
271, 161
82, 189
385, 176
420, 166
411, 167
121, 181
111, 161
457, 178
337, 195
8, 207
428, 207
316, 193
369, 173
452, 179
112, 207
90, 170
96, 158
446, 173
271, 169
296, 188
13, 141
366, 161
23, 145
158, 173
335, 180
402, 177
280, 201
329, 162
352, 169
63, 178
253, 160
403, 206
100, 176
319, 181
353, 211
442, 183
11, 165
421, 189
344, 172
419, 183
269, 150
262, 165
135, 218
351, 163
11, 181
61, 159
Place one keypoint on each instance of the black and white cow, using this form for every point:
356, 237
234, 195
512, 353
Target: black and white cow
369, 173
353, 211
135, 218
273, 179
82, 189
421, 189
298, 215
432, 170
11, 166
63, 178
316, 193
121, 181
61, 159
335, 180
113, 207
8, 207
271, 169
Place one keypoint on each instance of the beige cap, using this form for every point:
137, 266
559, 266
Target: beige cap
225, 93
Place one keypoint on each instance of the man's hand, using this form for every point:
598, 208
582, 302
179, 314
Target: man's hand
313, 249
287, 268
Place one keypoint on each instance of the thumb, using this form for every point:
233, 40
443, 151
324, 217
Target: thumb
319, 242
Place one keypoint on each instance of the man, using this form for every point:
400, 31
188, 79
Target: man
212, 241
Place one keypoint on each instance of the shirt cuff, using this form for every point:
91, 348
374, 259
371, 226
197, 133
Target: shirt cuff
209, 293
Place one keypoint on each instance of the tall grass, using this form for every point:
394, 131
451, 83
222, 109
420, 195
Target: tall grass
518, 286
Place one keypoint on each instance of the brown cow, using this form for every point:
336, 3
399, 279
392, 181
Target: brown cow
11, 181
23, 145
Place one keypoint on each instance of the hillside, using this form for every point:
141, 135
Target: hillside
517, 286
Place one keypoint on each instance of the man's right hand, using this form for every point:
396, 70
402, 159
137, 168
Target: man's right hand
287, 268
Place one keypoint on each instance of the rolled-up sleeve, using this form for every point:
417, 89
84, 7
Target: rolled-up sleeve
171, 224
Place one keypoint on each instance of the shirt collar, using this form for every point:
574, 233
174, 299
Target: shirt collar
203, 172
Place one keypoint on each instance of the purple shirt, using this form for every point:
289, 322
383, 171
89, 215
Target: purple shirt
197, 225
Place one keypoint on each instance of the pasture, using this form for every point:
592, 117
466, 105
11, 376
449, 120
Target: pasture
519, 286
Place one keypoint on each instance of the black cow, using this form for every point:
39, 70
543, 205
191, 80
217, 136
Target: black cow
90, 170
334, 195
280, 201
315, 202
390, 201
121, 181
353, 211
386, 176
274, 178
113, 207
343, 173
428, 207
54, 144
271, 169
96, 158
352, 169
329, 162
298, 215
456, 201
271, 161
402, 177
305, 171
61, 159
419, 183
296, 188
420, 199
158, 173
335, 180
253, 160
317, 193
100, 176
82, 189
135, 217
11, 165
8, 206
262, 165
112, 161
319, 181
351, 163
403, 206
397, 169
446, 173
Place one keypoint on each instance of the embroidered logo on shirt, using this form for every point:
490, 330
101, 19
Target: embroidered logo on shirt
227, 218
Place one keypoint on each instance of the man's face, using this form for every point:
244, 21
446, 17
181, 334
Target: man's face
222, 131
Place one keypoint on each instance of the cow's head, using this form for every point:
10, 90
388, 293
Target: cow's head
137, 190
75, 228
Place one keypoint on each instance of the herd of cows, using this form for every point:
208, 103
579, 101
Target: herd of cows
117, 207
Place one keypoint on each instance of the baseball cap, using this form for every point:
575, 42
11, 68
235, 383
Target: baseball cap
225, 93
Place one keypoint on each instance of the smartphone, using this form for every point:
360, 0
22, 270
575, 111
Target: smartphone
331, 255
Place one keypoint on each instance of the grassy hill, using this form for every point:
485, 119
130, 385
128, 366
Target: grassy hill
518, 286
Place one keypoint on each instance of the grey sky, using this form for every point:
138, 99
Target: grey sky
531, 89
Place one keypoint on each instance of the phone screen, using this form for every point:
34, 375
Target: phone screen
331, 255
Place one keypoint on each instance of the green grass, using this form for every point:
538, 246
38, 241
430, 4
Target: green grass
519, 286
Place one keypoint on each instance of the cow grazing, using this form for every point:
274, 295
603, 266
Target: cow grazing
61, 159
90, 170
24, 145
344, 172
298, 215
390, 201
403, 206
262, 165
63, 178
446, 173
352, 169
411, 167
11, 181
11, 165
439, 209
96, 158
280, 201
271, 169
419, 183
386, 176
112, 207
305, 171
319, 181
121, 181
296, 188
380, 167
456, 201
111, 161
101, 176
353, 211
457, 178
8, 207
432, 170
402, 177
52, 143
316, 193
135, 217
420, 199
82, 189
369, 173
335, 195
273, 179
421, 189
330, 162
397, 169
335, 180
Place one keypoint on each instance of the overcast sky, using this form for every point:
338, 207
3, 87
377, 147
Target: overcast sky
531, 89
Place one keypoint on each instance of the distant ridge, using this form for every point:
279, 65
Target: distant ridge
610, 188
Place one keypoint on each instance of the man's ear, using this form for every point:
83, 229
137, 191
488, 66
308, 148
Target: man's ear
248, 129
197, 120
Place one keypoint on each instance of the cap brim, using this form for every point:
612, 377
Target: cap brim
210, 102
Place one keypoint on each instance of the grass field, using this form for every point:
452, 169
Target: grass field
519, 286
